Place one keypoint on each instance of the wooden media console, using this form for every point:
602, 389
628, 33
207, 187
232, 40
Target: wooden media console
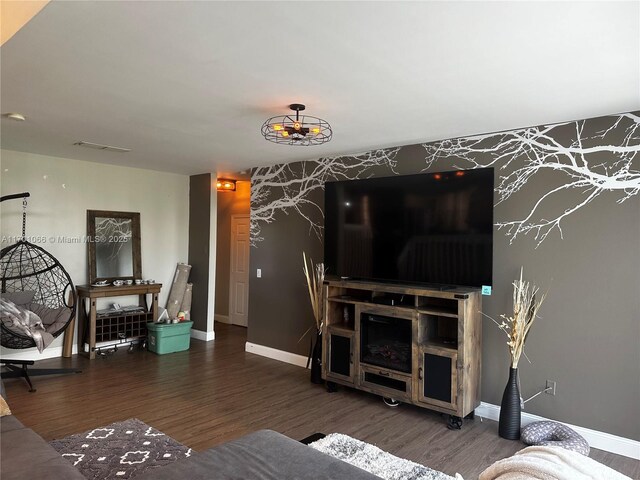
409, 344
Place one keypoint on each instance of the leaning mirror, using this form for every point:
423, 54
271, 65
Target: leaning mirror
114, 245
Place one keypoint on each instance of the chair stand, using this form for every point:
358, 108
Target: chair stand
18, 369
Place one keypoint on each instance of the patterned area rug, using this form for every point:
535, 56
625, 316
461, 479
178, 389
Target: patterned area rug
375, 461
120, 450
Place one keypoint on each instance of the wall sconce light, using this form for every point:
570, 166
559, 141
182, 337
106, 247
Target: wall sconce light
226, 185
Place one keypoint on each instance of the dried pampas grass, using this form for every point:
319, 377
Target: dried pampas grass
315, 280
526, 304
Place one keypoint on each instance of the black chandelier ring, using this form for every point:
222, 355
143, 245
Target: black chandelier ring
301, 130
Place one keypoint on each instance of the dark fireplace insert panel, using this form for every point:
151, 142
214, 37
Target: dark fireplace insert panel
385, 342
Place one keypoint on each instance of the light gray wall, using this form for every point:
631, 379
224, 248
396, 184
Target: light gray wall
588, 339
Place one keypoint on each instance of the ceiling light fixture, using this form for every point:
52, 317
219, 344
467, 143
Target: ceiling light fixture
226, 185
302, 130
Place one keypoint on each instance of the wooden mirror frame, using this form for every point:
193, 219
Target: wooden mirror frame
135, 239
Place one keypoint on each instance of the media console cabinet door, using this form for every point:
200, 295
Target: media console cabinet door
438, 377
340, 356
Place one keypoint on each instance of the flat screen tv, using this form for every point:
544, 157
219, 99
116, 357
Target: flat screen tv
431, 228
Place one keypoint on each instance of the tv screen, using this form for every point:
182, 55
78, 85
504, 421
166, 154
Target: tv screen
431, 228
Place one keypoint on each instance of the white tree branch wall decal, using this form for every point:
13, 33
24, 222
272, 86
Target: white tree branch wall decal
282, 188
584, 162
521, 155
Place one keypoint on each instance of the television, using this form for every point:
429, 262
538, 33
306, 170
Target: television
429, 229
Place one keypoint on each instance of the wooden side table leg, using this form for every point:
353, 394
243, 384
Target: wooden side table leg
92, 330
82, 324
154, 307
143, 301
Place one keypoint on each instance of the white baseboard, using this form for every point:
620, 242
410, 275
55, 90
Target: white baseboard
200, 335
32, 353
222, 318
601, 440
281, 355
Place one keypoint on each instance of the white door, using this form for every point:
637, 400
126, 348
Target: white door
239, 271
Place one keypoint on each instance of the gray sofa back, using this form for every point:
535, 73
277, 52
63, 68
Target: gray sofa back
26, 455
262, 455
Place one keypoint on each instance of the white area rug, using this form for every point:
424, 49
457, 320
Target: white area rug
375, 461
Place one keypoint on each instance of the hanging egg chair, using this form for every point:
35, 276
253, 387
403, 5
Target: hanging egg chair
35, 288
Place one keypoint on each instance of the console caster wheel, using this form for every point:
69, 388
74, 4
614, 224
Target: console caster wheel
390, 402
454, 423
130, 349
332, 387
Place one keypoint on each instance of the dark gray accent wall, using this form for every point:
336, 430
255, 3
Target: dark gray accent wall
588, 339
199, 235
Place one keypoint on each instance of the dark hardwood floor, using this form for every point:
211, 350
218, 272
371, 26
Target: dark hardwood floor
216, 392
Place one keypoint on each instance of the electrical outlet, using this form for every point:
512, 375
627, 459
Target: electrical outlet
551, 386
259, 273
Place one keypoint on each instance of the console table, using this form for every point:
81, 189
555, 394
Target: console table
108, 328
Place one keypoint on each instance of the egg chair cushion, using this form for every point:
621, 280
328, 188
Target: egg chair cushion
53, 319
18, 298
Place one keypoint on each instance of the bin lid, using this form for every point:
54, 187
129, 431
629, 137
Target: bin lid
161, 326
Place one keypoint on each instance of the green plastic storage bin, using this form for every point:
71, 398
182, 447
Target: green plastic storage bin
168, 337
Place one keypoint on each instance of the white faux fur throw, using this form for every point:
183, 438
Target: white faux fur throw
549, 463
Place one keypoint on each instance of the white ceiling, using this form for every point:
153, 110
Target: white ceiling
187, 85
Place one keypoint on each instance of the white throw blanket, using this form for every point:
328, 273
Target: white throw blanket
549, 463
25, 322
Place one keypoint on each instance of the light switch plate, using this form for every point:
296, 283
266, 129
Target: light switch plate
259, 273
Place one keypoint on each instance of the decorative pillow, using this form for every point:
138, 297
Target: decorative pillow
4, 408
554, 434
19, 298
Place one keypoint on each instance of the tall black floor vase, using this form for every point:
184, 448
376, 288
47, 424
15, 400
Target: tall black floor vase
509, 425
316, 360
